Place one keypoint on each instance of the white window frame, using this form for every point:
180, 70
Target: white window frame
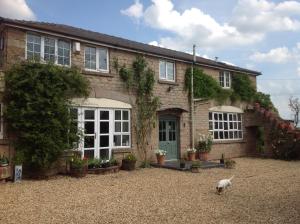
226, 75
121, 132
97, 59
43, 48
220, 123
166, 71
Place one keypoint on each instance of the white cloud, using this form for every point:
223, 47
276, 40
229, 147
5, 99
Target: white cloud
134, 11
276, 55
16, 9
265, 16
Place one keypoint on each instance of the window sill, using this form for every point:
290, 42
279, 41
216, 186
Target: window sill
121, 150
215, 142
96, 73
167, 82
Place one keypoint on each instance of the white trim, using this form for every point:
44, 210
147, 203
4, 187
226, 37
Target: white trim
166, 71
126, 49
100, 103
228, 109
97, 59
42, 51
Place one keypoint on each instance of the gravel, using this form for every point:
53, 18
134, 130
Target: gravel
263, 191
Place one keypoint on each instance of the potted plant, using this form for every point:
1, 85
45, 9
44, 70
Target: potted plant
191, 154
222, 160
128, 163
160, 156
195, 167
18, 161
78, 167
3, 161
204, 146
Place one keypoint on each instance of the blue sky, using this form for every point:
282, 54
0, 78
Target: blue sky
261, 35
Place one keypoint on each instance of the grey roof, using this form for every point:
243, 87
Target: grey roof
121, 42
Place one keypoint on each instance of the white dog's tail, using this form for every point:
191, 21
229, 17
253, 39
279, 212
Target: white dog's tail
231, 178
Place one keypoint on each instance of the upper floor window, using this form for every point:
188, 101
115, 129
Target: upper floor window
96, 59
225, 79
48, 49
224, 126
167, 71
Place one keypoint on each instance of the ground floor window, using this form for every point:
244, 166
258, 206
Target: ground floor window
225, 126
101, 130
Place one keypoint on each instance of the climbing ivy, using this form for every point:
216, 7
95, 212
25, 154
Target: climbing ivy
139, 80
37, 98
205, 86
243, 88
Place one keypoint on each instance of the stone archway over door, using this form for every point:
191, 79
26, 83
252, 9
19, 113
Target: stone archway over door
169, 136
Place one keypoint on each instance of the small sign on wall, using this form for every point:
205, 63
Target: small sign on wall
18, 173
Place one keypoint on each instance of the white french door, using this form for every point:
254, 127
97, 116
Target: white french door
96, 125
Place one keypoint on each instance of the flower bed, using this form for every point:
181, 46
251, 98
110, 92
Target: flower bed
111, 169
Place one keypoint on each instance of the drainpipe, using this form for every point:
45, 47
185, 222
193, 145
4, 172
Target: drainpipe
192, 97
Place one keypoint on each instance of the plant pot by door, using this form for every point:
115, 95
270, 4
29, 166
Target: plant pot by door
203, 156
191, 156
128, 164
160, 159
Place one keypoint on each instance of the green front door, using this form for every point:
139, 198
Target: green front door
168, 137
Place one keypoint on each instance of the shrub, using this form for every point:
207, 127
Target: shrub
37, 97
130, 157
229, 163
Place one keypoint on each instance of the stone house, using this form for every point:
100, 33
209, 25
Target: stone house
106, 115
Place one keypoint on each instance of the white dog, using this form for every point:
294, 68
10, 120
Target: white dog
223, 184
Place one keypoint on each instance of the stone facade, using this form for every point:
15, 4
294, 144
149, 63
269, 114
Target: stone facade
109, 85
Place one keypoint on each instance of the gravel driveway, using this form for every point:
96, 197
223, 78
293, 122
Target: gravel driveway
263, 191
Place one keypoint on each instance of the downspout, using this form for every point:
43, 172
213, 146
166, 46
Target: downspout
192, 97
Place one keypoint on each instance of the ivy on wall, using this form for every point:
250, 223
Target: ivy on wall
139, 80
37, 98
242, 89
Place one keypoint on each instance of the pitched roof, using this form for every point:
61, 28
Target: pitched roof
121, 42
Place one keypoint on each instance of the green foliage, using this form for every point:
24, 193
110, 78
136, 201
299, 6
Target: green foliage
37, 97
229, 163
3, 160
243, 88
130, 157
265, 101
139, 79
196, 164
78, 163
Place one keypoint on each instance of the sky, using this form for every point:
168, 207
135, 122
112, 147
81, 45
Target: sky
262, 35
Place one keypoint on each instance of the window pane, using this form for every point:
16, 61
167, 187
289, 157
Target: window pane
104, 141
117, 115
49, 49
104, 115
89, 115
225, 135
104, 127
89, 127
103, 59
162, 69
210, 124
239, 117
33, 47
125, 140
117, 140
170, 71
89, 141
215, 135
210, 116
104, 154
88, 154
117, 126
125, 126
63, 52
125, 115
90, 58
239, 126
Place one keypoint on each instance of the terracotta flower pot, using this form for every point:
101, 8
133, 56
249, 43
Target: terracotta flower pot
191, 156
203, 156
160, 159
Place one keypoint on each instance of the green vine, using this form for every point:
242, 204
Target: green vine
37, 98
139, 80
